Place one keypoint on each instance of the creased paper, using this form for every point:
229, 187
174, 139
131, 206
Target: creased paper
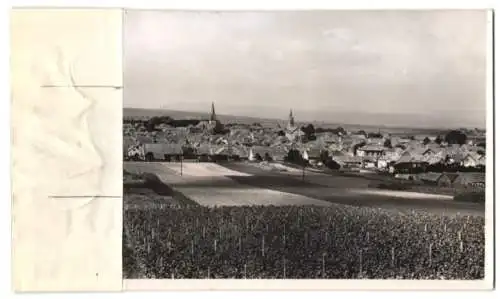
66, 151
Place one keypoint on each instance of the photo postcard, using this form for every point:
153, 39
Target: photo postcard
306, 149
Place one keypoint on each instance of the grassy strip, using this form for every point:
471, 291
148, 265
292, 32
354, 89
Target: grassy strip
152, 182
474, 196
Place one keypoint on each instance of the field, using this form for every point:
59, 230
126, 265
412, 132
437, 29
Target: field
148, 191
212, 185
300, 242
243, 221
350, 190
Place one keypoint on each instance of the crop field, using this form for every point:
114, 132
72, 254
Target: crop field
238, 222
202, 170
348, 190
338, 241
210, 184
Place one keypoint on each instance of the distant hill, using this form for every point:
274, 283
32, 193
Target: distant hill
139, 113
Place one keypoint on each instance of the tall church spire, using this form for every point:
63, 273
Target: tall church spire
291, 121
212, 114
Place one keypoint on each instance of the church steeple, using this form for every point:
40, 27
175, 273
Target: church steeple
212, 114
291, 121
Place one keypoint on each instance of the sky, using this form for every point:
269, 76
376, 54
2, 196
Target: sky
411, 68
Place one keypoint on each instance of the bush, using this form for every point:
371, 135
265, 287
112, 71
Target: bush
294, 156
332, 165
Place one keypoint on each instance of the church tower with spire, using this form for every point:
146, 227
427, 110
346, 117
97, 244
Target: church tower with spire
292, 132
291, 121
213, 117
213, 123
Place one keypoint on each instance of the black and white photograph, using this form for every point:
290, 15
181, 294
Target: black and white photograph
322, 144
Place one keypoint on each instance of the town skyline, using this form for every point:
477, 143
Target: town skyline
283, 118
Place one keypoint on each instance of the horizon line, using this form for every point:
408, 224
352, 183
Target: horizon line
437, 127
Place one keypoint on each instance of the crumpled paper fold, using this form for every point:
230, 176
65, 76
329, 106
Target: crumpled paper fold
66, 76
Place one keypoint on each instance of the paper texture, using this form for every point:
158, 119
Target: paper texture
66, 75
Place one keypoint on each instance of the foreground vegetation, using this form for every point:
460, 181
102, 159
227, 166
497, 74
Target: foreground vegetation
168, 241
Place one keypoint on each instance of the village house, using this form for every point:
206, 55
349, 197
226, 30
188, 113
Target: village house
428, 152
434, 157
220, 154
259, 153
313, 155
280, 140
239, 153
204, 152
470, 180
481, 161
371, 150
476, 149
395, 140
347, 162
369, 162
171, 152
393, 154
128, 142
376, 141
383, 163
230, 152
335, 147
408, 164
278, 153
455, 157
471, 160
